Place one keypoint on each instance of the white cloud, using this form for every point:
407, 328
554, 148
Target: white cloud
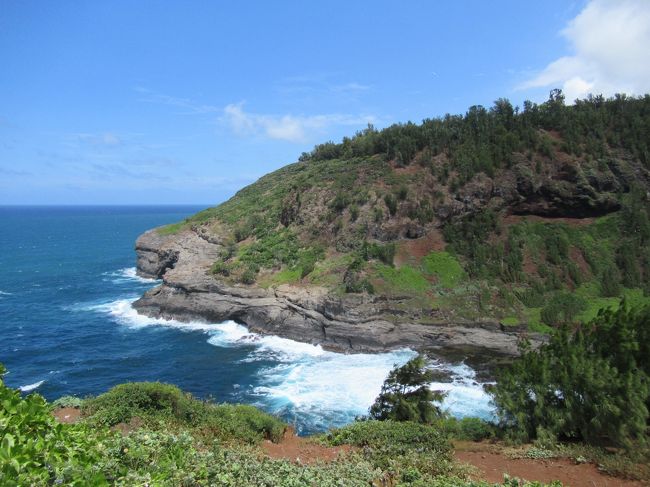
611, 44
292, 128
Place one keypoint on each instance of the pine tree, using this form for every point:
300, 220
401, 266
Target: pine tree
406, 396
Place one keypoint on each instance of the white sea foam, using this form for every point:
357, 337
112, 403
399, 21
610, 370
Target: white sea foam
330, 384
122, 312
306, 381
4, 293
31, 387
464, 395
128, 274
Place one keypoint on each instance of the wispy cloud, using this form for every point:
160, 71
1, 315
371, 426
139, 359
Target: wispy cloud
108, 139
323, 84
189, 106
291, 128
14, 172
610, 40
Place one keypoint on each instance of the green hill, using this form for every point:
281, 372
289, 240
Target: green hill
529, 216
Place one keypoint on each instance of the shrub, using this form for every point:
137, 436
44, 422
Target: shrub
591, 383
391, 204
154, 402
562, 308
36, 450
67, 402
384, 253
406, 396
354, 212
142, 399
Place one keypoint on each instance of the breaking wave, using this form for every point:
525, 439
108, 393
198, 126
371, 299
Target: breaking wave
314, 388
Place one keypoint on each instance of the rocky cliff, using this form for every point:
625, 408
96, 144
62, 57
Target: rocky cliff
349, 323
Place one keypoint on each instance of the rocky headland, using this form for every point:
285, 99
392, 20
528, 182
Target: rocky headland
349, 323
462, 233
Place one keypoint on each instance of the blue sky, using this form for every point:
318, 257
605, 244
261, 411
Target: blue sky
137, 102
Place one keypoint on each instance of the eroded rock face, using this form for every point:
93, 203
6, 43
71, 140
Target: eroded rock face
352, 323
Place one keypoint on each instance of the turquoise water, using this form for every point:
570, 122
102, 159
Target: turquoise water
67, 281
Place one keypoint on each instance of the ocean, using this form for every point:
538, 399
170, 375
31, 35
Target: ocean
67, 327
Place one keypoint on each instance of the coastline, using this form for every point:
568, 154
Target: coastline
349, 324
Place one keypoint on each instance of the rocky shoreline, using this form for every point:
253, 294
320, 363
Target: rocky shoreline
350, 323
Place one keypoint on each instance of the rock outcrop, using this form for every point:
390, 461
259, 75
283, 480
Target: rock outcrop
350, 323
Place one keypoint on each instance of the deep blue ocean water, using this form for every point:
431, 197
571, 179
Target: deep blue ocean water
67, 280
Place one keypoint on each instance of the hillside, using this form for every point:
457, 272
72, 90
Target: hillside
499, 219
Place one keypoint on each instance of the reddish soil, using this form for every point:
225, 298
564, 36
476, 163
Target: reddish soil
67, 415
576, 256
574, 222
412, 168
492, 466
529, 266
417, 248
302, 450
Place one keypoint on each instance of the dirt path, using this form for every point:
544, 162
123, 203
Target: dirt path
302, 450
492, 465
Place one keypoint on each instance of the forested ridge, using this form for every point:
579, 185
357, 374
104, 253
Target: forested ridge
529, 217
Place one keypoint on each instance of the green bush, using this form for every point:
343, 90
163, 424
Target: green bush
142, 399
391, 204
67, 402
411, 450
469, 429
562, 308
36, 450
591, 383
154, 403
406, 396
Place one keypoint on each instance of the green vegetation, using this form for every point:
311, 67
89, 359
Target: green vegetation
35, 450
483, 140
406, 396
445, 267
590, 383
404, 280
543, 209
172, 228
156, 403
170, 439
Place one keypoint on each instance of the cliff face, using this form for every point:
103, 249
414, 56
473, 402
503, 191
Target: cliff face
351, 323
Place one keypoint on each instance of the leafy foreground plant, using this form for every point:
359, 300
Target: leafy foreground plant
36, 450
591, 383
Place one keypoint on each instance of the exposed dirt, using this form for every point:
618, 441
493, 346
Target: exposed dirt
574, 222
126, 428
492, 465
302, 450
529, 265
576, 256
67, 415
417, 248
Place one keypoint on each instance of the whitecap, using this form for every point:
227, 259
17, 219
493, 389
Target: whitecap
31, 387
122, 312
4, 293
464, 395
128, 274
304, 381
329, 385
